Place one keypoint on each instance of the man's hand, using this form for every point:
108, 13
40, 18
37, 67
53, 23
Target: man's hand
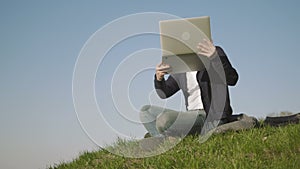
161, 70
206, 48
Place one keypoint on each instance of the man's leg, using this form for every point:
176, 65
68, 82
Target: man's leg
180, 123
149, 115
158, 120
238, 122
165, 122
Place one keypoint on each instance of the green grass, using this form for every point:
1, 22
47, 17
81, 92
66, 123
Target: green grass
266, 147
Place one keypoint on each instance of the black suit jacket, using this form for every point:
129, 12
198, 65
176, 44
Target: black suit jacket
211, 78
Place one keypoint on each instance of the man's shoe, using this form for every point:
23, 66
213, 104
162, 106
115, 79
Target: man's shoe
153, 143
147, 135
242, 122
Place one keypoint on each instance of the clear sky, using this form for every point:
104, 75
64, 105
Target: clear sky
41, 40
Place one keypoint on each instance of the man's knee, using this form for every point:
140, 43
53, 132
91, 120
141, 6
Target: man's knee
164, 121
145, 108
145, 115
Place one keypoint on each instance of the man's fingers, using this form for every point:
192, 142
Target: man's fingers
165, 71
202, 53
162, 73
206, 48
205, 44
158, 65
208, 42
203, 48
161, 70
163, 67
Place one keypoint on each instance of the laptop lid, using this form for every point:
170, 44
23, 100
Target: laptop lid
179, 39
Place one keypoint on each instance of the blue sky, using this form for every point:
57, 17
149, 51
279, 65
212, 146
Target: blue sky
40, 43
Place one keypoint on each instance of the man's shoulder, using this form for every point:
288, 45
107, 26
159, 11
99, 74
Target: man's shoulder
219, 48
220, 51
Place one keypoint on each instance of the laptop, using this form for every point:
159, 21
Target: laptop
179, 39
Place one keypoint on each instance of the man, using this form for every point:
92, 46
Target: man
197, 89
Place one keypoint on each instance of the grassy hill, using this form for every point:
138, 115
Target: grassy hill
266, 147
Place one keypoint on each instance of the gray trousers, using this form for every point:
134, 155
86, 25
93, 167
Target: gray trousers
158, 120
162, 121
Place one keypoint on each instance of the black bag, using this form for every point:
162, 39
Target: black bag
282, 120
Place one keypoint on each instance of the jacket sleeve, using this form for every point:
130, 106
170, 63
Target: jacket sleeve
231, 74
165, 88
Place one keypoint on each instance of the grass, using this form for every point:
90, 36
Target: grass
266, 147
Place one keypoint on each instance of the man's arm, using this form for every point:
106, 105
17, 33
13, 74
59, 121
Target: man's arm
165, 88
231, 74
219, 62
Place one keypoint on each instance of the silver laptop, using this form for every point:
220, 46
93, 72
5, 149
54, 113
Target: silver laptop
179, 39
